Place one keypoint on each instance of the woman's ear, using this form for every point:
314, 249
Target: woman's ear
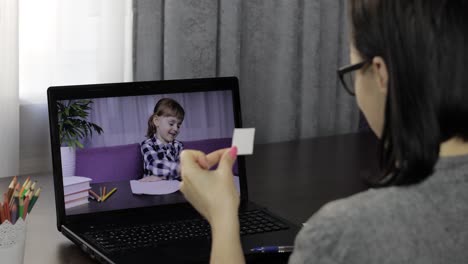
381, 73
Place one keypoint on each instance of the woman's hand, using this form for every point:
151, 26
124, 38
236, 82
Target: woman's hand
212, 193
150, 179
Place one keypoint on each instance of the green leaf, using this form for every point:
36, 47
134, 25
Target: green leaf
73, 124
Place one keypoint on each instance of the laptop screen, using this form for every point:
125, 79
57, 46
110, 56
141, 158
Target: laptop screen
120, 152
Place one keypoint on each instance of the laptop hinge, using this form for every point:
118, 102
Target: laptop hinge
85, 246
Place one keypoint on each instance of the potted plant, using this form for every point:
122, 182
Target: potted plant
73, 126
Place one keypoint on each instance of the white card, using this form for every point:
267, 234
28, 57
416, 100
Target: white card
243, 139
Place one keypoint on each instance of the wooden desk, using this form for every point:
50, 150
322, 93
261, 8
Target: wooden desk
123, 198
293, 179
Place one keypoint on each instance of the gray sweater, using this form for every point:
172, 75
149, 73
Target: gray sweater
424, 223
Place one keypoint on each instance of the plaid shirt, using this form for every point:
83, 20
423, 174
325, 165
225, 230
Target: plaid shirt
161, 160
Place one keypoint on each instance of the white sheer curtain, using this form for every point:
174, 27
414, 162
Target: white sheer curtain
66, 42
9, 115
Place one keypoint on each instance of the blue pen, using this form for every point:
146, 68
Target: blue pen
273, 249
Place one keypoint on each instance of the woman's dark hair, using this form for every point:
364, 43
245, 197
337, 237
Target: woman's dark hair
425, 46
164, 107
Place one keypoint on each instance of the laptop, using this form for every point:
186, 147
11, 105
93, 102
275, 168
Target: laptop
102, 204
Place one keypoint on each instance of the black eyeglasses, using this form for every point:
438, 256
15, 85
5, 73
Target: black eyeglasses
347, 76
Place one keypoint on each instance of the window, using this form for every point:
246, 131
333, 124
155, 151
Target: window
72, 42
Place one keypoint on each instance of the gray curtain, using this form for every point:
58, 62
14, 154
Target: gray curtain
285, 53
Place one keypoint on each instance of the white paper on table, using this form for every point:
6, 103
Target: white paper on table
243, 139
154, 188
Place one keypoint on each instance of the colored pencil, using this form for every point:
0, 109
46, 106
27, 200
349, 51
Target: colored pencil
14, 213
5, 206
6, 209
34, 199
25, 209
24, 185
26, 189
2, 215
95, 195
19, 200
21, 207
11, 188
109, 194
33, 186
14, 198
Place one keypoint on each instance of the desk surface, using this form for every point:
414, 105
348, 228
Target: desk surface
124, 198
293, 179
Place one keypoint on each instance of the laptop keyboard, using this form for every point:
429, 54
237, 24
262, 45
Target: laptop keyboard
150, 235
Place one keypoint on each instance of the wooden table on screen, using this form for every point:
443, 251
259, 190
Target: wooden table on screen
293, 179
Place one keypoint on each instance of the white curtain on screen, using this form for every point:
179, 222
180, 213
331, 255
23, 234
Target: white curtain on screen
125, 119
66, 42
9, 115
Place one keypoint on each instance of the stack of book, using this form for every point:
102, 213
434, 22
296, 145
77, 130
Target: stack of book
75, 189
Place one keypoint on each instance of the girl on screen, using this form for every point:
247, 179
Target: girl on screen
161, 150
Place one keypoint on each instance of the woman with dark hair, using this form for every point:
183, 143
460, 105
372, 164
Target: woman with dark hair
408, 64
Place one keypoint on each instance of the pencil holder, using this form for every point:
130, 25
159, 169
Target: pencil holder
12, 242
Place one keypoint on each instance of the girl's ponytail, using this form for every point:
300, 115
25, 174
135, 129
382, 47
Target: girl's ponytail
151, 126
